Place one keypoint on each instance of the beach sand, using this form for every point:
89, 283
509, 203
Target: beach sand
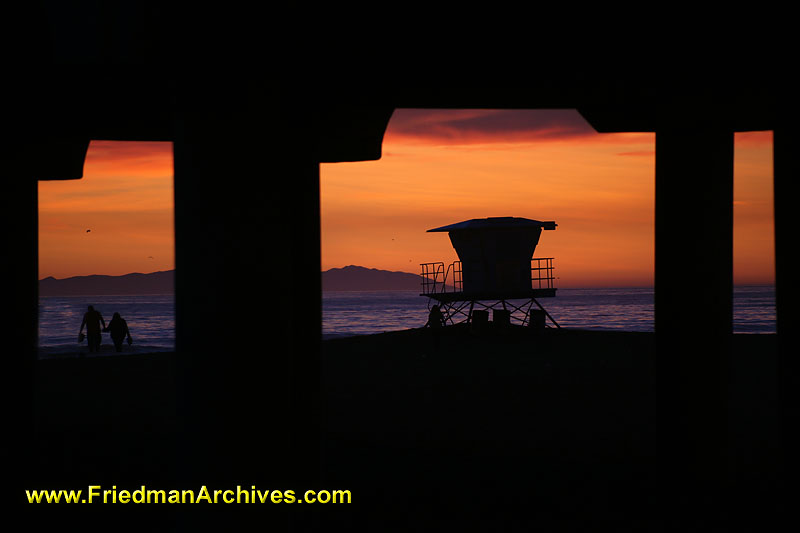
503, 431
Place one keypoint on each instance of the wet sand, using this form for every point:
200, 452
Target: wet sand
507, 431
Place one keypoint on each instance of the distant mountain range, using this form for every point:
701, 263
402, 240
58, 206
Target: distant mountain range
162, 282
349, 278
357, 278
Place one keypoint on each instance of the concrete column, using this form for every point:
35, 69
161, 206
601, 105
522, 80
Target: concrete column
787, 295
248, 314
693, 310
19, 272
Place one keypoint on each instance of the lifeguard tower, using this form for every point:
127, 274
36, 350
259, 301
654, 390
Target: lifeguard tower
496, 271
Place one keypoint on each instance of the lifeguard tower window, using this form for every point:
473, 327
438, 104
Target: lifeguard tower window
106, 242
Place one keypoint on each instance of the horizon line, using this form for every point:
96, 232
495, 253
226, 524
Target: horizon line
757, 284
105, 275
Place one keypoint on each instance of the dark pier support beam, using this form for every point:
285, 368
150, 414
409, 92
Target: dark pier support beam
787, 294
248, 300
693, 313
26, 159
18, 270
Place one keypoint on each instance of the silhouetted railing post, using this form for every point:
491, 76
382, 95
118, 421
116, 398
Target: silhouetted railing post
694, 217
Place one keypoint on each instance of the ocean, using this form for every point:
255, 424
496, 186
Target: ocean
151, 318
359, 313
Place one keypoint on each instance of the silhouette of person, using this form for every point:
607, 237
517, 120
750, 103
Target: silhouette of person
436, 321
119, 330
92, 320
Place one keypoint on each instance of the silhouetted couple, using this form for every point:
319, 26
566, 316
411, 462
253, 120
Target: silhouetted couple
436, 322
118, 329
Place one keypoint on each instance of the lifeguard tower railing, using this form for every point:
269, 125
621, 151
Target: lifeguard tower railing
436, 280
446, 287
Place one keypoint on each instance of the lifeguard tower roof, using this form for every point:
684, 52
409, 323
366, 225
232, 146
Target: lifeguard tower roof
496, 223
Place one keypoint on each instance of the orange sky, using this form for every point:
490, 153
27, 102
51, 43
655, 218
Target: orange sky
438, 167
753, 215
443, 167
125, 198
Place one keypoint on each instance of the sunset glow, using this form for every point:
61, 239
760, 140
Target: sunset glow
116, 220
753, 214
438, 167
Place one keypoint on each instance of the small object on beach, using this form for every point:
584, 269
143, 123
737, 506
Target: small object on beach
88, 230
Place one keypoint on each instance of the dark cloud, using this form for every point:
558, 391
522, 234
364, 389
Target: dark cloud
481, 125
